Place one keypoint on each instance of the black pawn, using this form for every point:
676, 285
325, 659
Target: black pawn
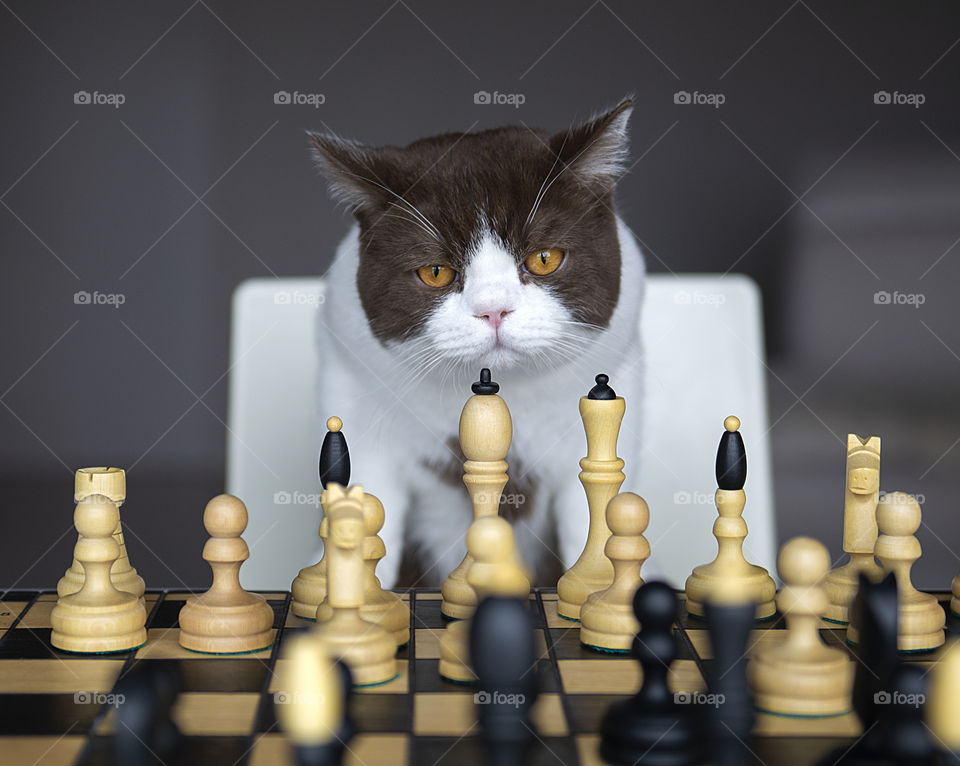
730, 721
601, 390
875, 616
653, 725
334, 455
331, 753
908, 740
145, 732
503, 655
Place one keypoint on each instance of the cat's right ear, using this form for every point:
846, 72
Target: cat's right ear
350, 170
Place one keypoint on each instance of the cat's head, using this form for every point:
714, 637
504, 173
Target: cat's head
496, 248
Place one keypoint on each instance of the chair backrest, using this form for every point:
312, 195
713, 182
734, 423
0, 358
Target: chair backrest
705, 360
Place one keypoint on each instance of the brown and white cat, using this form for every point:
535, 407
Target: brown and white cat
497, 249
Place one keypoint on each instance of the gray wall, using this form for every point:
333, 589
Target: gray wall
104, 199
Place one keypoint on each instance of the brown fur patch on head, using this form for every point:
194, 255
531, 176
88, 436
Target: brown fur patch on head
430, 203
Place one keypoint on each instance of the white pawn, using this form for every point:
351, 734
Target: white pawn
607, 620
313, 712
226, 619
955, 601
494, 571
97, 618
800, 675
921, 618
942, 710
112, 483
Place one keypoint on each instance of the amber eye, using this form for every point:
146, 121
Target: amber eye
436, 276
543, 262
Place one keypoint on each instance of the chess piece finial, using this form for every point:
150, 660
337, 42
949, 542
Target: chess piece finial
731, 456
802, 676
111, 483
921, 618
602, 390
486, 430
601, 473
730, 578
485, 386
859, 526
98, 618
607, 621
226, 619
334, 455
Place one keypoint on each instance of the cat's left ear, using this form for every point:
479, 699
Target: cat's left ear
596, 151
351, 168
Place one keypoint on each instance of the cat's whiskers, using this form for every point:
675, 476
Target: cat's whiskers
541, 191
410, 206
406, 218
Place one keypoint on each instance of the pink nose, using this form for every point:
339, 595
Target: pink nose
495, 318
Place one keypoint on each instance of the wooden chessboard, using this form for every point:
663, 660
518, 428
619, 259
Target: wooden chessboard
55, 707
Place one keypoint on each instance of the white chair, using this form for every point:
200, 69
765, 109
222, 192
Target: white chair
704, 343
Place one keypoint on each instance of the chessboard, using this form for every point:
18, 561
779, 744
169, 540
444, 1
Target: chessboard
58, 708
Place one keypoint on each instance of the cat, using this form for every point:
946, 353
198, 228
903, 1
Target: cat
498, 249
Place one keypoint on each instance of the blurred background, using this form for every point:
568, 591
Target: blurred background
153, 156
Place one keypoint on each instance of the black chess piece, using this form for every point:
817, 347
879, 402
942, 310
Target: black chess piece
485, 386
504, 658
652, 725
908, 741
331, 753
334, 459
731, 465
602, 390
875, 614
145, 733
730, 720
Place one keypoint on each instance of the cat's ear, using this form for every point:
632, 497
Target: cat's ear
596, 151
350, 169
